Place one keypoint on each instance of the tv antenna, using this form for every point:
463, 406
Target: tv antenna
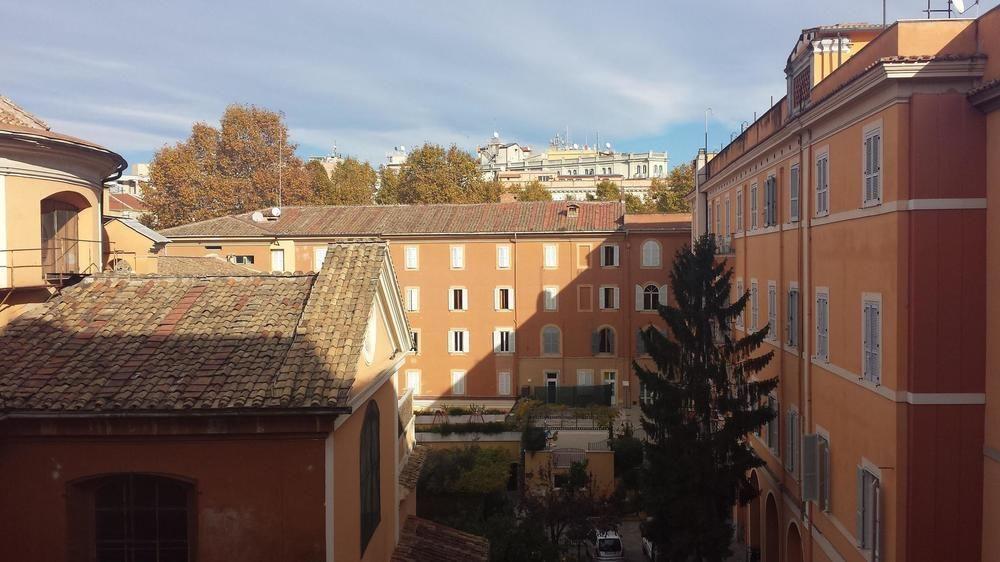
954, 6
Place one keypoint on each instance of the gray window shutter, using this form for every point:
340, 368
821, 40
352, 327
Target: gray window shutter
496, 341
595, 342
611, 340
810, 464
639, 303
663, 295
824, 465
876, 538
860, 513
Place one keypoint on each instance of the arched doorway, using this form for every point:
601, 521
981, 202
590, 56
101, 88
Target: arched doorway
754, 527
793, 547
771, 537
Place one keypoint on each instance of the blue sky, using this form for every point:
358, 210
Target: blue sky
369, 75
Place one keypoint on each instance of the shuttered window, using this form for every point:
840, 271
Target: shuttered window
773, 425
458, 257
792, 442
458, 382
753, 206
868, 523
503, 256
412, 299
771, 201
792, 326
822, 327
754, 306
458, 341
608, 298
550, 256
739, 210
503, 383
872, 328
772, 311
603, 341
650, 253
550, 340
371, 503
458, 299
503, 298
822, 185
503, 340
609, 255
873, 167
551, 298
739, 295
411, 257
793, 194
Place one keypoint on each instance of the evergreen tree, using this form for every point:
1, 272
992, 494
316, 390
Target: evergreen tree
705, 401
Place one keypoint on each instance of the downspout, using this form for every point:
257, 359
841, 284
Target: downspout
515, 374
122, 164
805, 295
627, 367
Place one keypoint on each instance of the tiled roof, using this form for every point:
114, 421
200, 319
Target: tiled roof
11, 114
125, 201
163, 343
661, 222
376, 220
141, 229
410, 474
199, 265
989, 85
426, 541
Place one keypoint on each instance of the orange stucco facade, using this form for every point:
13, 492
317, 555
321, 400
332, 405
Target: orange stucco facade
879, 295
576, 276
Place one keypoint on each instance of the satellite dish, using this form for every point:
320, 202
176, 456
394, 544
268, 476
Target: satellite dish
257, 216
496, 134
275, 212
959, 5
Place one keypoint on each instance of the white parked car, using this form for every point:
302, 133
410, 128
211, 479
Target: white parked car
605, 546
648, 548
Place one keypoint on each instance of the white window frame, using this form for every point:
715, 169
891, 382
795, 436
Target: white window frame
498, 340
754, 305
753, 206
413, 380
319, 256
822, 183
451, 299
501, 376
584, 377
739, 210
871, 165
420, 340
458, 382
541, 335
794, 193
868, 509
615, 254
652, 259
412, 305
772, 311
456, 256
823, 467
792, 443
774, 426
504, 258
602, 298
411, 258
550, 256
452, 348
822, 324
550, 298
793, 303
497, 300
770, 200
871, 338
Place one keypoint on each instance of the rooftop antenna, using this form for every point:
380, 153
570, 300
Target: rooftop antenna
280, 141
947, 10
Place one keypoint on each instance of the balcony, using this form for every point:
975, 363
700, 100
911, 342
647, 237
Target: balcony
61, 262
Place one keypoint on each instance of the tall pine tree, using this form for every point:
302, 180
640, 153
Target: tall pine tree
705, 400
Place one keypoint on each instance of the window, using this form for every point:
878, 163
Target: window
413, 380
772, 311
650, 296
608, 297
772, 426
319, 256
411, 257
582, 256
868, 512
458, 341
551, 344
503, 298
584, 377
754, 305
277, 260
739, 295
739, 211
640, 340
718, 219
728, 229
458, 382
503, 383
503, 340
822, 184
609, 255
604, 341
459, 299
60, 237
412, 299
140, 517
458, 257
871, 330
650, 253
503, 256
793, 194
816, 470
770, 201
371, 501
415, 341
792, 327
550, 256
241, 260
822, 326
753, 206
550, 298
792, 442
584, 298
873, 167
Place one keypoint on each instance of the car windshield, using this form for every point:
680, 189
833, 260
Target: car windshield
609, 545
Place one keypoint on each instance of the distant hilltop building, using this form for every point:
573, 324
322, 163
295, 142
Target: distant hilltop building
570, 171
330, 161
394, 160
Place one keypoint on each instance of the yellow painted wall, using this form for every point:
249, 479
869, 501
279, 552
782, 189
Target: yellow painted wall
123, 243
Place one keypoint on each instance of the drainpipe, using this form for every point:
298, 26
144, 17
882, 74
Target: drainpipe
806, 296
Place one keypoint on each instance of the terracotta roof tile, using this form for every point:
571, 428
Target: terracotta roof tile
112, 344
125, 201
11, 114
194, 266
426, 541
410, 474
376, 220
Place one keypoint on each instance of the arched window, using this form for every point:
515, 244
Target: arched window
60, 237
604, 341
371, 503
650, 297
650, 253
551, 344
141, 517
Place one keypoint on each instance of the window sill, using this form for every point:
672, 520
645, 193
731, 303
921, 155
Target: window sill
458, 353
647, 311
503, 310
650, 267
821, 215
872, 203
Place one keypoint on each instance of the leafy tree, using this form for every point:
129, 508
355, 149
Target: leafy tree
533, 191
668, 195
636, 206
706, 400
353, 182
605, 190
433, 174
388, 186
319, 178
226, 170
571, 510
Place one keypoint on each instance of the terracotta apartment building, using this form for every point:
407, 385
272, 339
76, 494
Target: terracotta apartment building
500, 297
855, 213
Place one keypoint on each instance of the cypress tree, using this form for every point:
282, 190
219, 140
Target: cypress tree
705, 399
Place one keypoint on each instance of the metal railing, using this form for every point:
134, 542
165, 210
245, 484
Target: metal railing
82, 257
579, 395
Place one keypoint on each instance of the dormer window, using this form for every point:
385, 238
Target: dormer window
573, 211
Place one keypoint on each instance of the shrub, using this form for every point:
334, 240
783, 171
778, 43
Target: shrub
533, 438
471, 427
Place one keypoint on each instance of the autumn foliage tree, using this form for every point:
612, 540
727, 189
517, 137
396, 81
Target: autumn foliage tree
668, 196
434, 174
233, 168
533, 191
